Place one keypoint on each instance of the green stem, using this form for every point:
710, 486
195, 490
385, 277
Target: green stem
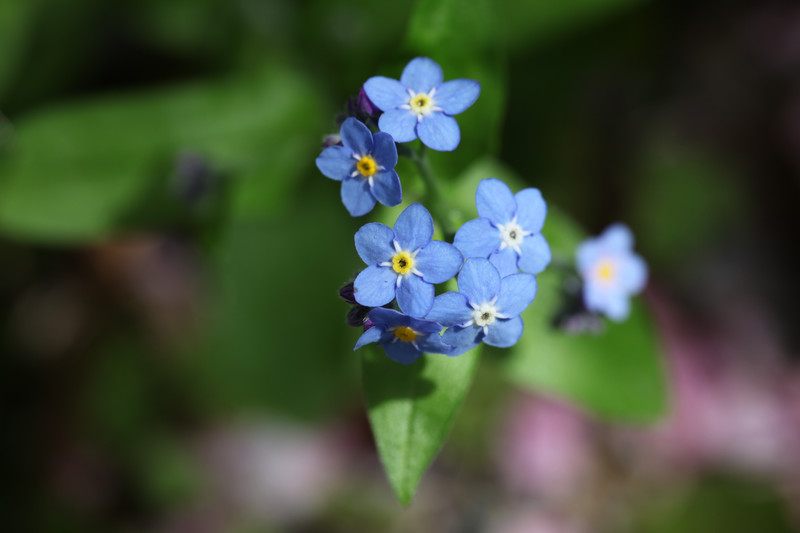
436, 202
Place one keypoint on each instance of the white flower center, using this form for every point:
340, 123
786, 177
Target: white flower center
484, 314
421, 104
512, 235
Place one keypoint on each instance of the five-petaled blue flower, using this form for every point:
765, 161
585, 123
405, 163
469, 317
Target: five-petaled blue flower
404, 262
365, 166
404, 338
507, 232
421, 105
611, 272
485, 308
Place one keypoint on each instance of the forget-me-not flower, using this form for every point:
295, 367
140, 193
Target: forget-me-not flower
485, 308
365, 166
403, 262
404, 338
508, 230
611, 272
421, 104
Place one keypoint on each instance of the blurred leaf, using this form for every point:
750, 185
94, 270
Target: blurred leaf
279, 340
615, 374
412, 408
77, 168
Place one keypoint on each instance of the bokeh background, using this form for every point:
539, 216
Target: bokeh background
174, 353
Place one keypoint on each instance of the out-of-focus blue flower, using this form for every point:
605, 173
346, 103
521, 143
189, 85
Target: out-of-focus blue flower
403, 262
365, 166
508, 230
421, 104
485, 308
404, 338
611, 272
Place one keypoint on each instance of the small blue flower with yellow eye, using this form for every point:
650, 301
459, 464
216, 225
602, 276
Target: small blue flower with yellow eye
365, 166
508, 231
611, 272
422, 105
404, 338
486, 307
403, 262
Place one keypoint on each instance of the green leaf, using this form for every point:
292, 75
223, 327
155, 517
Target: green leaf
616, 374
412, 408
77, 169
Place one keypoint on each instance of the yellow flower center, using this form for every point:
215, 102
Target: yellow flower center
405, 334
421, 104
402, 263
367, 166
606, 271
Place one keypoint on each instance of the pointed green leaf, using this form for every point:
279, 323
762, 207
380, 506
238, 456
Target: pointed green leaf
412, 408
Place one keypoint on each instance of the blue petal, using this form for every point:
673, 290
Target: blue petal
439, 132
336, 162
386, 188
375, 286
495, 201
586, 255
386, 318
535, 254
373, 334
434, 344
401, 124
357, 196
504, 333
617, 237
414, 227
386, 93
462, 339
423, 325
456, 96
374, 243
414, 296
450, 308
438, 261
618, 308
597, 297
505, 261
421, 75
402, 352
517, 291
356, 136
478, 280
531, 210
385, 150
477, 238
633, 274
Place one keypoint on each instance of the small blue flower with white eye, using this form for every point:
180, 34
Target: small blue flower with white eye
403, 262
611, 272
365, 166
508, 230
421, 104
404, 338
486, 307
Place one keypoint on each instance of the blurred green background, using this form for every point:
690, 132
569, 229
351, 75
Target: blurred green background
174, 352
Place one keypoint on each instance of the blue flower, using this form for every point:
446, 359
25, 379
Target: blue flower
421, 105
611, 272
404, 338
507, 232
365, 166
404, 262
485, 308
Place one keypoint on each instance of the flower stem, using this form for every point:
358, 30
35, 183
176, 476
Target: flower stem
437, 204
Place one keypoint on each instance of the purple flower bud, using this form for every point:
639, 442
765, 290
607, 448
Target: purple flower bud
356, 315
347, 293
364, 104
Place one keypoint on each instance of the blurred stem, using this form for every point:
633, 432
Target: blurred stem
436, 202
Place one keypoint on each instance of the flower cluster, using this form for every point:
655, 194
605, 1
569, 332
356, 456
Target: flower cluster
495, 257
